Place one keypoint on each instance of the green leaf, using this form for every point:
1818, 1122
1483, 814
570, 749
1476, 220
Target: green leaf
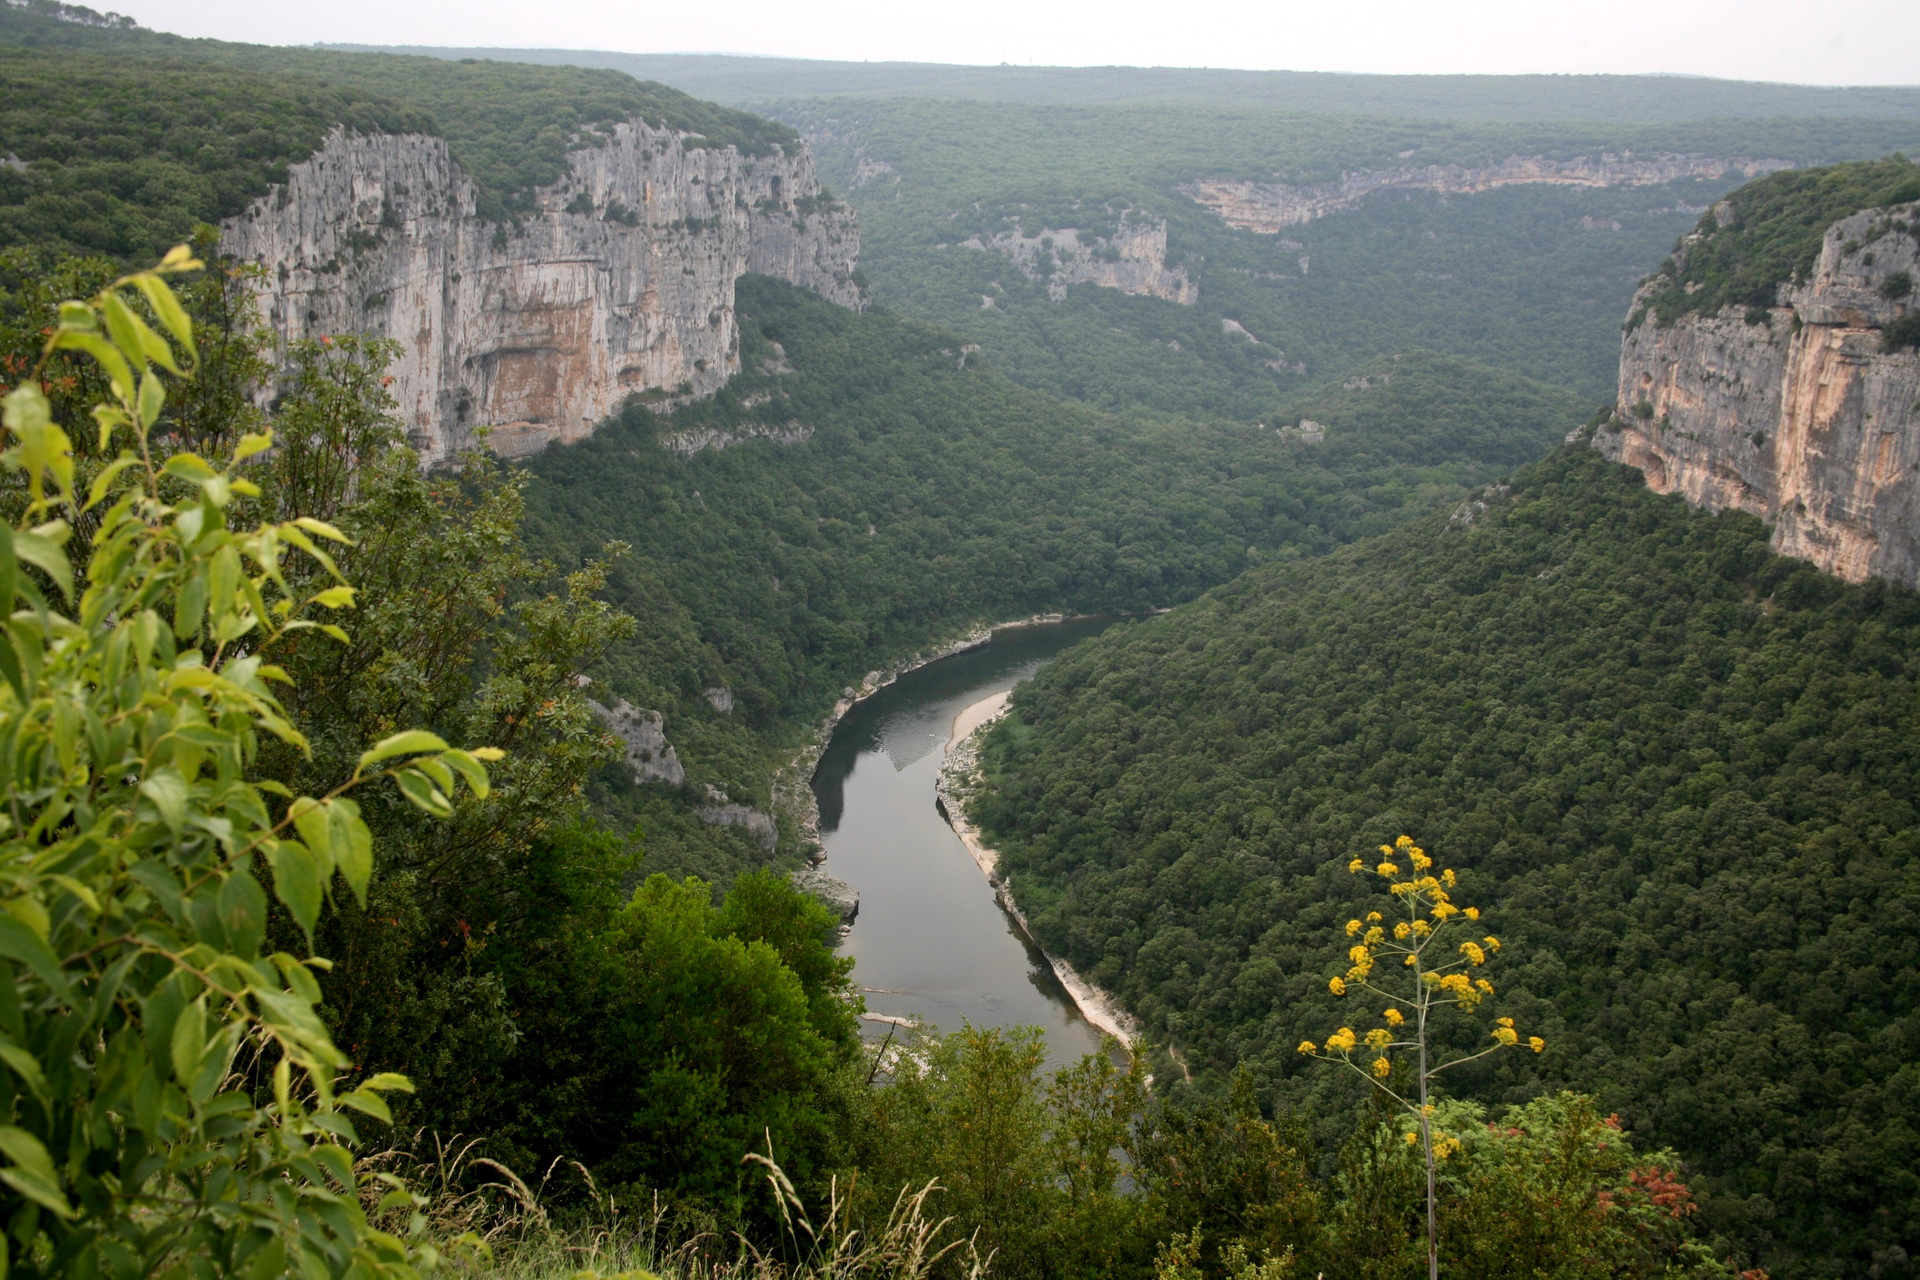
369, 1103
189, 466
21, 944
400, 744
296, 882
389, 1082
243, 911
335, 598
313, 820
251, 443
189, 1041
353, 848
153, 397
32, 1174
422, 793
167, 307
168, 791
46, 555
470, 769
321, 529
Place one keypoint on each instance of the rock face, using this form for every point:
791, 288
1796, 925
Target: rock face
1270, 207
622, 281
1133, 259
649, 754
840, 897
1803, 420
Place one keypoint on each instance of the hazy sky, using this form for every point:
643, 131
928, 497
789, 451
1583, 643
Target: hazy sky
1805, 41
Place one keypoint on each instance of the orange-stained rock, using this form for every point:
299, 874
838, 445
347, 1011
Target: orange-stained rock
1803, 420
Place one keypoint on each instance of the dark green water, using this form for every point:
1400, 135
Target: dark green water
930, 941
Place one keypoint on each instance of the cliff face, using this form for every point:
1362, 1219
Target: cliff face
1270, 207
1804, 420
621, 282
1133, 259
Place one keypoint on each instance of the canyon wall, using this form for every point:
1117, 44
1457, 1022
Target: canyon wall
1270, 207
1133, 259
621, 281
1797, 414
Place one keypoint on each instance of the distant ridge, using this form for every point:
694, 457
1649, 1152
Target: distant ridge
739, 80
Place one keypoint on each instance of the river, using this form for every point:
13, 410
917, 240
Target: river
930, 942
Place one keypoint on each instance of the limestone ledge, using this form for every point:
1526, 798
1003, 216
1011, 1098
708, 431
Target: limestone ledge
1794, 413
1271, 207
619, 281
1133, 259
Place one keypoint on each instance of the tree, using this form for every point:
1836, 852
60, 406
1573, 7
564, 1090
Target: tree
1427, 913
134, 985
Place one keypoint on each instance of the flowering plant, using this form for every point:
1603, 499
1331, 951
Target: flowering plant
1434, 971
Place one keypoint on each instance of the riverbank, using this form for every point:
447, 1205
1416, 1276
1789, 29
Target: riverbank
959, 774
792, 789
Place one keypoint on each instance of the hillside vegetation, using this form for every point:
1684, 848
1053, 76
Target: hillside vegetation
509, 124
1677, 769
934, 495
1533, 279
1770, 236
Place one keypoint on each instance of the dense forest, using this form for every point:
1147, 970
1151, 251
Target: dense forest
1532, 279
1677, 770
309, 796
933, 495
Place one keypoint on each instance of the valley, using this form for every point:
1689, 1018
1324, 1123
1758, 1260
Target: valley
1524, 466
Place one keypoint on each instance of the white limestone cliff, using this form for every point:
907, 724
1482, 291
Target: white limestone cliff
1271, 207
620, 282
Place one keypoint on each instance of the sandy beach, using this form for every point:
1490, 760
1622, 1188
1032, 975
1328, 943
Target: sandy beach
1096, 1006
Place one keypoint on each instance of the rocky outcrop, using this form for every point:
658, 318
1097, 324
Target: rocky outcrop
1133, 259
1270, 207
648, 753
620, 282
688, 443
722, 811
1796, 413
838, 896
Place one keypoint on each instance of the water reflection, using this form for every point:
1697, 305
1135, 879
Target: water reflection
930, 941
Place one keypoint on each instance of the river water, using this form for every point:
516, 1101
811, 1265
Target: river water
930, 942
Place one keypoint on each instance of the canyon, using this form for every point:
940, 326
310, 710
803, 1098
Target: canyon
1271, 207
1799, 413
619, 283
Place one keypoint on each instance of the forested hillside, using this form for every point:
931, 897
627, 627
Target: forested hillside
1530, 278
510, 125
933, 495
1677, 770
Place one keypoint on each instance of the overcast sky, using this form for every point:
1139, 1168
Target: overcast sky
1802, 41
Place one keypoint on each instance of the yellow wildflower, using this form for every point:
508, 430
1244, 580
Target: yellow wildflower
1388, 870
1373, 917
1379, 1038
1422, 928
1357, 865
1381, 1067
1473, 953
1401, 930
1486, 988
1375, 936
1359, 953
1506, 1035
1445, 1147
1443, 909
1493, 943
1307, 1046
1341, 1041
1394, 1016
1413, 1138
1337, 985
1536, 1044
